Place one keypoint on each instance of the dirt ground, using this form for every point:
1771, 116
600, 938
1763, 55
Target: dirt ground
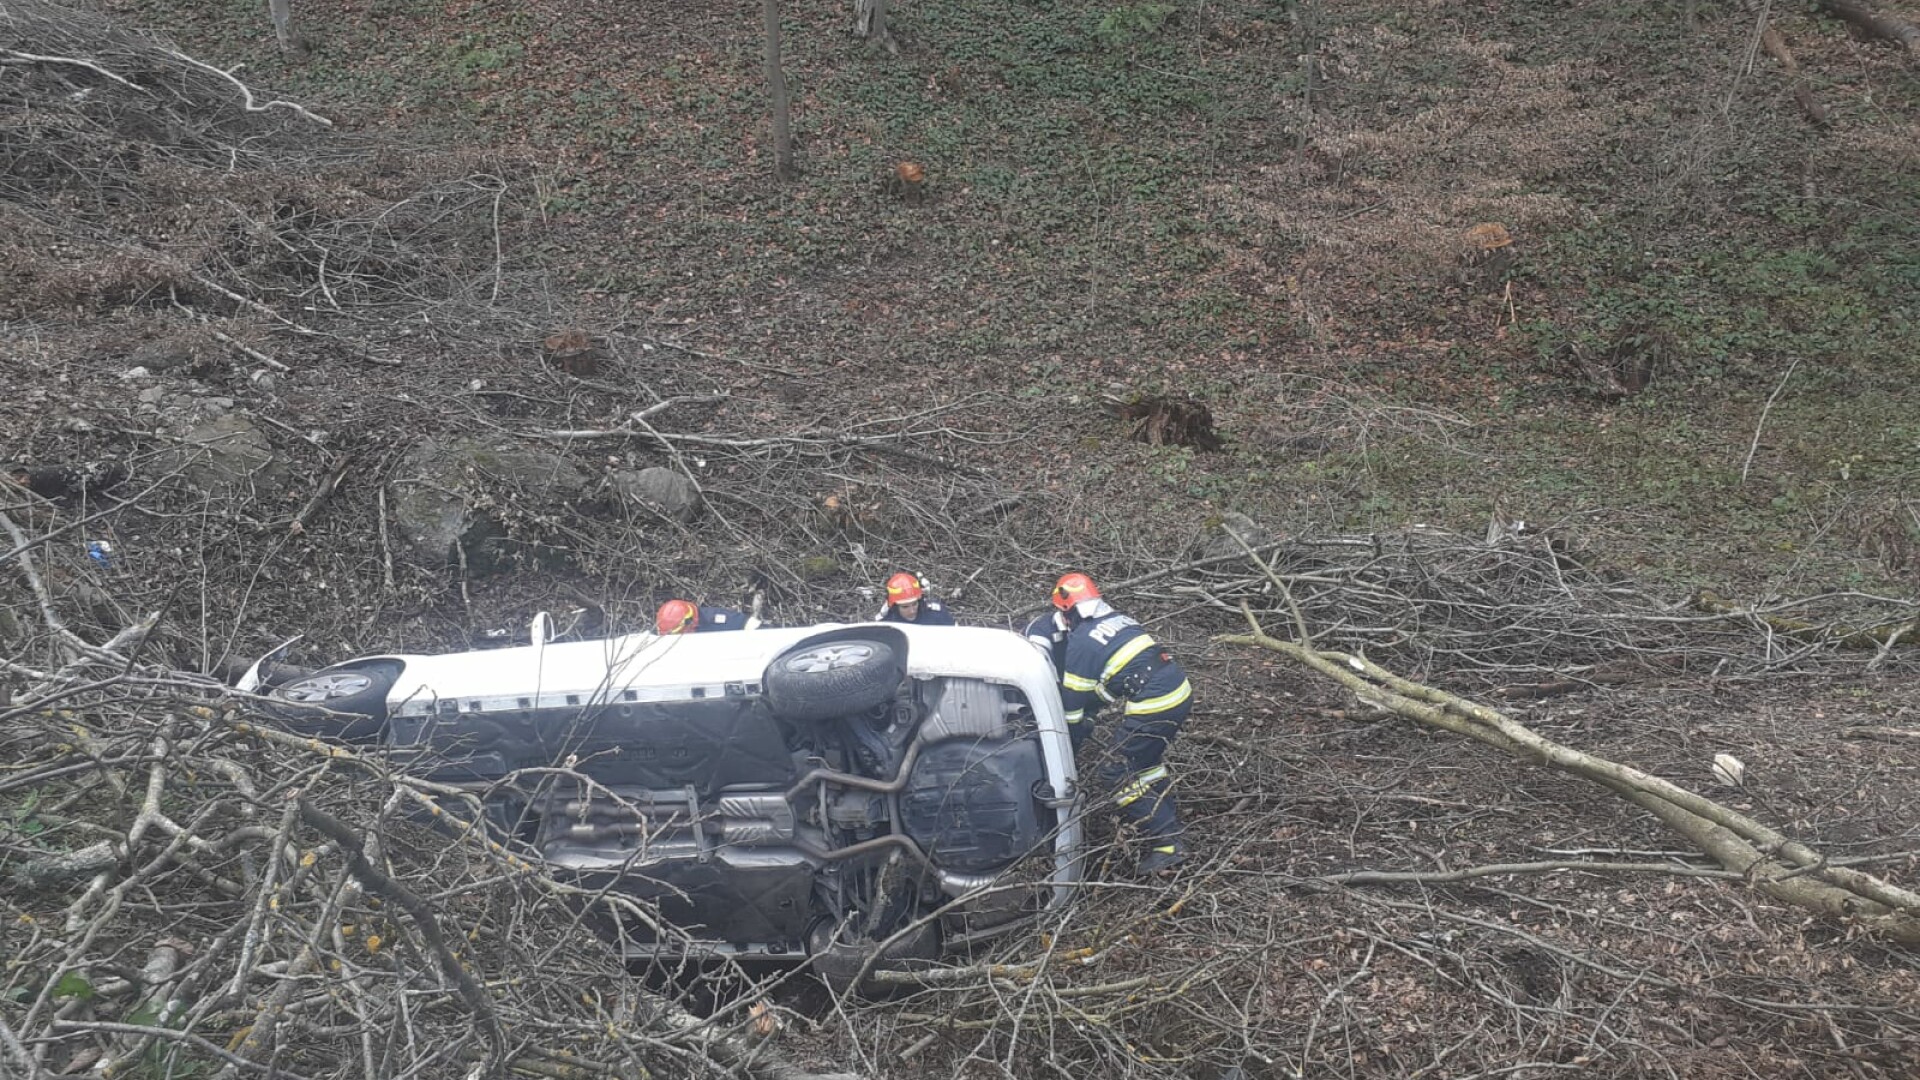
1434, 269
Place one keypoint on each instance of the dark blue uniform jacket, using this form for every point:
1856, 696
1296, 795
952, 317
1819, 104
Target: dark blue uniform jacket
719, 618
1112, 659
932, 613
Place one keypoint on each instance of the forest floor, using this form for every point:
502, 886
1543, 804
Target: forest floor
1580, 275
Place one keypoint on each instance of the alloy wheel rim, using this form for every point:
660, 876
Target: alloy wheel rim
319, 688
830, 657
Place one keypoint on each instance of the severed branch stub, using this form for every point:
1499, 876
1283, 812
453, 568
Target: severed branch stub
1774, 863
1776, 47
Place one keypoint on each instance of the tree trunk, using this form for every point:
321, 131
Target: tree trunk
291, 42
870, 23
777, 89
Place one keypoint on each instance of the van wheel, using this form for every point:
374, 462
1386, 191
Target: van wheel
832, 679
346, 703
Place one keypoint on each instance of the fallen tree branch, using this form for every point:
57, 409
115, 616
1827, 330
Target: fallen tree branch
1760, 425
1551, 866
73, 645
1776, 47
19, 57
1442, 877
246, 92
813, 443
1879, 733
1846, 636
1181, 568
320, 495
231, 341
10, 1043
1776, 864
54, 870
1873, 23
424, 919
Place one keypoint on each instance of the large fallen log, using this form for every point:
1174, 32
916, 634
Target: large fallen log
1774, 863
1874, 23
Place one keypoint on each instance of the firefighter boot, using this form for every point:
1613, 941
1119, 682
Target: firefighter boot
1147, 801
1163, 857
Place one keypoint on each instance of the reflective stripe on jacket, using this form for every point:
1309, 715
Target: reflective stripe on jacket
1112, 659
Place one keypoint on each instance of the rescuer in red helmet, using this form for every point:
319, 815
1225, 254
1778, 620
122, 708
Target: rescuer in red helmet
1109, 658
687, 617
908, 602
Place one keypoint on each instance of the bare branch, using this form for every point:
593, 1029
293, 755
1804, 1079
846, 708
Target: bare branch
246, 92
34, 58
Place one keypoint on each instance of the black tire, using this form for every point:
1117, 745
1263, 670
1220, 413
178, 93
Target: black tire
830, 679
347, 703
841, 964
275, 675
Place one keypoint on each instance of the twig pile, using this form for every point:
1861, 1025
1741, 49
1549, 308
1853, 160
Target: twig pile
188, 891
1522, 614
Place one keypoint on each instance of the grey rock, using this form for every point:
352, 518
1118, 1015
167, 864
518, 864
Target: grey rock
662, 490
1227, 532
228, 454
152, 395
174, 353
441, 495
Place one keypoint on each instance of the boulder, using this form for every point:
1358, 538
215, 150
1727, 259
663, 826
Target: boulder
172, 353
1223, 530
664, 491
445, 500
228, 454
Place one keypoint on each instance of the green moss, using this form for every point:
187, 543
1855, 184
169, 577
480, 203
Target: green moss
816, 568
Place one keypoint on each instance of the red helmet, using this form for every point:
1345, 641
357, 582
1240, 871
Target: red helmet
676, 617
1073, 588
904, 588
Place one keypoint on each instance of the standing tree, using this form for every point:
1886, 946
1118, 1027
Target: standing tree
291, 42
777, 88
870, 23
